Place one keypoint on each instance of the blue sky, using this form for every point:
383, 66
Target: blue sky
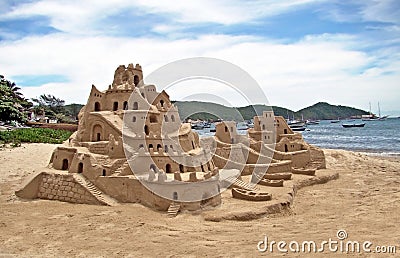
299, 51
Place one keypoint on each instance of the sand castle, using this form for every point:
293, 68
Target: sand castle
131, 147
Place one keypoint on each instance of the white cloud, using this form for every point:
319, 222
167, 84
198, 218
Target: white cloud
324, 67
82, 17
291, 75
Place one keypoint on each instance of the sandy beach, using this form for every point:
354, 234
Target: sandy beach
364, 202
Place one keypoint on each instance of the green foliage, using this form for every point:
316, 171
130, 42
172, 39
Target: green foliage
33, 135
51, 104
13, 105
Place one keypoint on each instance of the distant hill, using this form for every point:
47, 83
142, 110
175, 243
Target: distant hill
73, 109
249, 112
212, 111
206, 111
323, 110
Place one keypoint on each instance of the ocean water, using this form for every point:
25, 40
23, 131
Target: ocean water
376, 137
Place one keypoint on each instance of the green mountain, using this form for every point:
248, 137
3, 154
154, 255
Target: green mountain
323, 110
212, 111
72, 109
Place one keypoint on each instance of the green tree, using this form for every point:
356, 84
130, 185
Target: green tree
13, 105
50, 104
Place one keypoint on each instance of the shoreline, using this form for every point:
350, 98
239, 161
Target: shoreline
371, 153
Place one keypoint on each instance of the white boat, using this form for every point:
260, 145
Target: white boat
373, 117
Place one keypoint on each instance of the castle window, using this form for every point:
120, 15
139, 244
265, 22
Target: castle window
166, 118
172, 118
181, 168
175, 196
286, 148
146, 130
136, 80
153, 119
125, 105
166, 148
134, 119
115, 106
104, 172
143, 95
80, 167
153, 167
226, 129
141, 146
162, 103
135, 106
150, 146
263, 127
159, 147
96, 106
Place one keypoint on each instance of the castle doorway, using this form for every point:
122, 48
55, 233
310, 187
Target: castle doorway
97, 106
65, 164
286, 148
168, 168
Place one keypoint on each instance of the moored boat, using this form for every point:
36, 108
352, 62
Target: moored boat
353, 125
298, 129
250, 195
312, 122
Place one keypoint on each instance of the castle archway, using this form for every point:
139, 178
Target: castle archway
97, 106
97, 133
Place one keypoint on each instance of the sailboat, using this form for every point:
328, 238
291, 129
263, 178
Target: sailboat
373, 117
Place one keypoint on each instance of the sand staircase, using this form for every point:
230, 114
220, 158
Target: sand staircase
99, 147
121, 168
173, 209
236, 182
100, 196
